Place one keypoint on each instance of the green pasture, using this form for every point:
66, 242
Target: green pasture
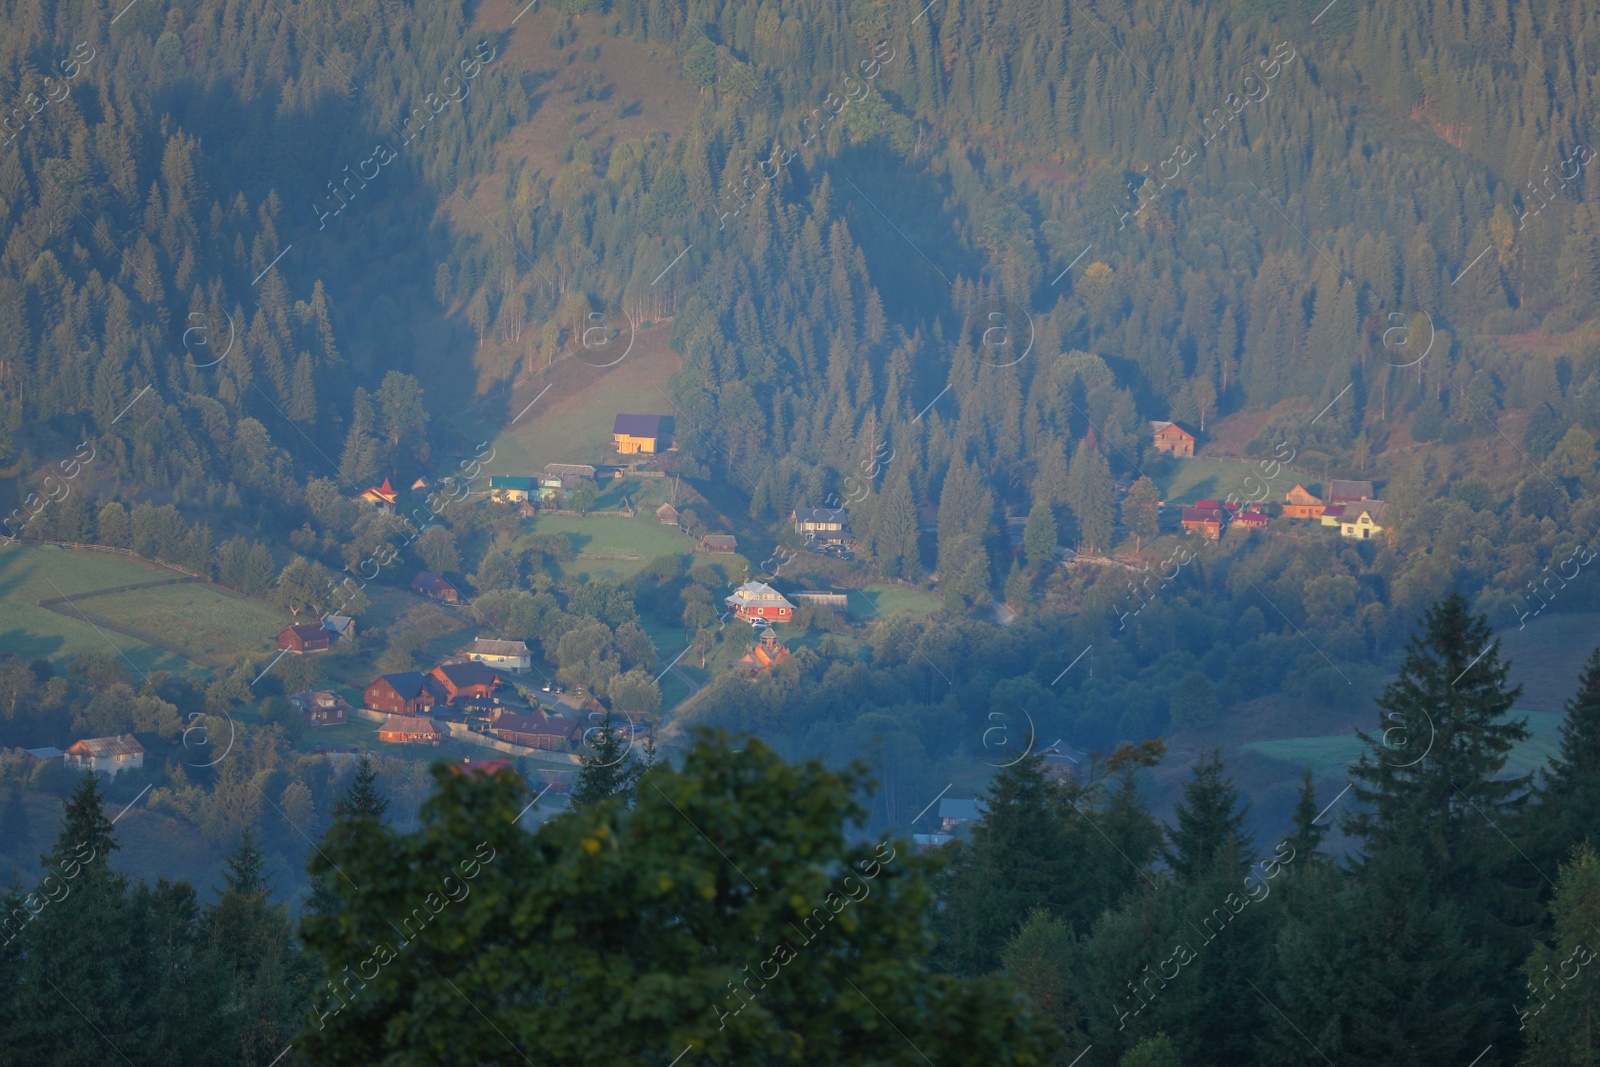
1330, 755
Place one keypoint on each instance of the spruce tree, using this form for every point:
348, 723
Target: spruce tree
1564, 810
1210, 823
86, 836
1306, 835
608, 772
1561, 1004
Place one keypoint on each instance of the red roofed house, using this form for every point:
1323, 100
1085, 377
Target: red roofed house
382, 497
105, 755
1172, 439
1255, 520
764, 655
429, 584
484, 768
454, 680
408, 730
757, 600
1205, 520
538, 730
304, 637
402, 693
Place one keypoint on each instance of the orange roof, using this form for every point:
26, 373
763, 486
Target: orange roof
764, 654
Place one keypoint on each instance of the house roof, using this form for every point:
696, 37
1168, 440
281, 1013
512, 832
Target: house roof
428, 582
409, 684
758, 593
384, 492
485, 646
511, 481
1333, 511
718, 541
1373, 508
107, 747
1251, 518
539, 723
560, 470
638, 425
1207, 505
305, 631
839, 515
1301, 495
665, 510
764, 654
316, 698
1158, 427
420, 483
485, 768
951, 808
461, 675
339, 624
409, 724
1346, 491
1202, 515
47, 752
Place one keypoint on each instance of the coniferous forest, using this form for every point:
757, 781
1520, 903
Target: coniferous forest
1313, 796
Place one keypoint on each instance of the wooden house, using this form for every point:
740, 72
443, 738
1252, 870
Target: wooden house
105, 755
822, 524
1361, 521
539, 730
303, 637
764, 655
667, 515
637, 433
512, 657
454, 680
401, 693
1172, 439
1348, 492
431, 585
754, 601
321, 707
718, 544
1298, 503
410, 730
382, 497
1251, 520
1206, 521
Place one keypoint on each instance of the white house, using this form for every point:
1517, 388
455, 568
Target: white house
510, 656
1362, 520
106, 755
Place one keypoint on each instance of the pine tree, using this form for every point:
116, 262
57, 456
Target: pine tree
1092, 497
1307, 835
608, 772
1039, 536
361, 799
86, 836
1562, 1009
1210, 823
1563, 812
1139, 510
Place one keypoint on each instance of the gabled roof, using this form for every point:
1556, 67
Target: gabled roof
485, 646
384, 492
48, 752
1157, 427
839, 515
408, 684
764, 654
420, 483
1202, 515
538, 723
1346, 491
569, 470
1352, 512
1251, 518
719, 541
1304, 498
1208, 505
758, 593
305, 631
338, 624
410, 724
107, 747
428, 582
462, 675
638, 425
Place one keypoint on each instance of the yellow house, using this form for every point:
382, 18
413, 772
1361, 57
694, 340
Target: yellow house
1360, 521
637, 433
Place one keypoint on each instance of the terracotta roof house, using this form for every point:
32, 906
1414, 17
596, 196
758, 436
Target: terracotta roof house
1361, 522
510, 488
482, 768
764, 655
538, 730
667, 515
637, 433
1254, 520
1206, 521
339, 625
1172, 439
429, 584
321, 707
382, 497
510, 656
105, 755
463, 679
718, 543
420, 485
410, 730
1344, 492
758, 600
401, 693
1299, 503
304, 637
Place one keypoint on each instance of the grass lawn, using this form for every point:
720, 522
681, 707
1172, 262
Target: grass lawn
1187, 480
615, 535
30, 573
883, 600
198, 617
1329, 755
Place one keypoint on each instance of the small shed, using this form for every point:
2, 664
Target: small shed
667, 515
718, 543
431, 585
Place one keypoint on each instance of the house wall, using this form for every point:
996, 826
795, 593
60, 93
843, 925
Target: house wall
629, 445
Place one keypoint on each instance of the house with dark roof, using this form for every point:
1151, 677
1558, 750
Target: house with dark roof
401, 693
1361, 521
431, 585
410, 730
1252, 520
1348, 492
321, 707
105, 755
718, 543
637, 433
581, 471
453, 680
304, 637
538, 730
667, 515
1206, 521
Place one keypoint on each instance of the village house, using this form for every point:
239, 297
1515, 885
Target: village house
1345, 492
321, 707
429, 584
1063, 763
303, 637
755, 601
637, 433
762, 656
822, 524
1299, 503
1331, 515
453, 680
420, 485
105, 755
401, 693
578, 471
1251, 520
339, 626
667, 515
513, 657
954, 813
539, 730
1172, 439
1205, 518
717, 544
410, 730
41, 755
510, 488
1361, 521
382, 497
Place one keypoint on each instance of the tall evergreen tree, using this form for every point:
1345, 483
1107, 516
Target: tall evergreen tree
1306, 836
608, 771
1562, 1002
1210, 823
1563, 812
1092, 497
